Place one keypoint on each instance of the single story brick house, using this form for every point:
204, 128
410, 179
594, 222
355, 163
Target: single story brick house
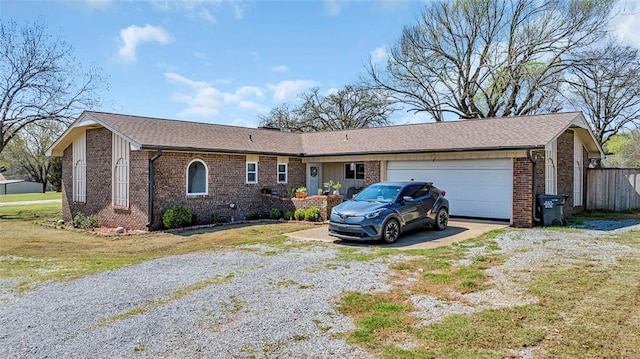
128, 170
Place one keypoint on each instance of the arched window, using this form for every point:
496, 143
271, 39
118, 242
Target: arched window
79, 182
197, 178
120, 175
121, 184
80, 168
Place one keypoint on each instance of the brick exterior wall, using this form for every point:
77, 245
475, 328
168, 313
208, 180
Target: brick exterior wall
371, 172
565, 183
325, 203
565, 169
226, 185
522, 193
99, 186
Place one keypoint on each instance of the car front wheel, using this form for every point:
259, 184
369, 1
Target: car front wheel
442, 219
391, 231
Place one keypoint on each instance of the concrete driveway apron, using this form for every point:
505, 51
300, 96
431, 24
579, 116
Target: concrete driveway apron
457, 231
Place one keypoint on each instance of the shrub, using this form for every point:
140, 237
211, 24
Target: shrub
253, 216
288, 215
177, 216
312, 214
83, 222
274, 213
299, 214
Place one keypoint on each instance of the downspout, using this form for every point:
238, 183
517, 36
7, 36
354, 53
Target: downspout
534, 174
151, 185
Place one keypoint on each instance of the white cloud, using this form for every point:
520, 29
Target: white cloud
204, 100
206, 15
627, 22
288, 90
331, 91
238, 11
133, 36
333, 7
281, 68
379, 55
98, 4
200, 9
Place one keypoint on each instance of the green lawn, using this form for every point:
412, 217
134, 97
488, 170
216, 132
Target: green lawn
30, 197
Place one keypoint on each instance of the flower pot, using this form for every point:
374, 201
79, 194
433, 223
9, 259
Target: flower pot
301, 194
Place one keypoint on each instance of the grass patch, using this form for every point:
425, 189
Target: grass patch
30, 213
586, 309
180, 293
350, 254
582, 217
378, 316
30, 197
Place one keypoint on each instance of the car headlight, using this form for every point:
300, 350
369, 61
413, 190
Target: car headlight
374, 214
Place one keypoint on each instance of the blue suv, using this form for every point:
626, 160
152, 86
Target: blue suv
384, 210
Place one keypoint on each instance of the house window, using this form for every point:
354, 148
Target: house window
282, 173
354, 171
80, 168
121, 183
551, 158
120, 159
197, 178
80, 182
252, 172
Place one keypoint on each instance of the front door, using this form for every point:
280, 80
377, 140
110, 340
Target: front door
314, 178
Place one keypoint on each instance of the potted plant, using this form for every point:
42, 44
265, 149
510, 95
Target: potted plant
301, 192
336, 188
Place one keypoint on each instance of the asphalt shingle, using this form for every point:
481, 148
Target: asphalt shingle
468, 135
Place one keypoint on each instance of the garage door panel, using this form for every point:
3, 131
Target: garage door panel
475, 188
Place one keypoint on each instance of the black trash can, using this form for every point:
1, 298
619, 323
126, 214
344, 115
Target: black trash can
550, 209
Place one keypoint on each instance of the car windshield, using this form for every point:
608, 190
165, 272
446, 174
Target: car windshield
379, 193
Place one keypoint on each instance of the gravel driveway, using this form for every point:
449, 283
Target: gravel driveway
256, 301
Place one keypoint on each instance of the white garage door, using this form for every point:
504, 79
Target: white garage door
475, 188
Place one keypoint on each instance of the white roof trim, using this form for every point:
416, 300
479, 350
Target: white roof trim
85, 120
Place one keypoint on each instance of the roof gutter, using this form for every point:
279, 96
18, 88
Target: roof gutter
217, 150
534, 173
151, 185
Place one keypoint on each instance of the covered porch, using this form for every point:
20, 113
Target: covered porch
353, 175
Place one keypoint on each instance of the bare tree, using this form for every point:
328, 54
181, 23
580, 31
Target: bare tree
351, 107
285, 117
605, 86
26, 156
40, 80
488, 58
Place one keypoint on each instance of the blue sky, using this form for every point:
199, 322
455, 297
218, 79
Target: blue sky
229, 61
219, 61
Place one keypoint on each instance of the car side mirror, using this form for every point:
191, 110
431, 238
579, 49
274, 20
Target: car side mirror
407, 199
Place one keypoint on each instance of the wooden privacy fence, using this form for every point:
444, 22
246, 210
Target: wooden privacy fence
614, 189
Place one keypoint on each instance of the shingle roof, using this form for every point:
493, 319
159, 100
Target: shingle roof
154, 133
478, 134
520, 132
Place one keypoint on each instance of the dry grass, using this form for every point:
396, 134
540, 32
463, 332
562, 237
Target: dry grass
586, 309
31, 252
